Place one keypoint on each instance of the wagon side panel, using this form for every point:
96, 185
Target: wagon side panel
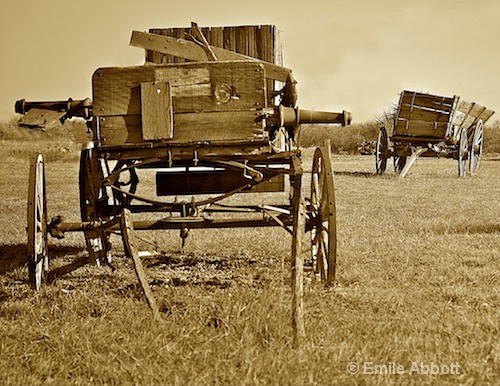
424, 116
207, 101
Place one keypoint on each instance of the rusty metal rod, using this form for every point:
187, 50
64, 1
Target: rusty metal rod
179, 223
77, 108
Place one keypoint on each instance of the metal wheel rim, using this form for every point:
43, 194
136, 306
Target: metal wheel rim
38, 263
462, 153
323, 217
476, 148
381, 151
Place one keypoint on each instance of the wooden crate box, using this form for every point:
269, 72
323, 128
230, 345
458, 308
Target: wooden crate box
205, 101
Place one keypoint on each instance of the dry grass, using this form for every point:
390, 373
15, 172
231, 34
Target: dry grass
418, 281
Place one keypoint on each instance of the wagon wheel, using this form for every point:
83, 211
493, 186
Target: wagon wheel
92, 198
462, 153
38, 263
476, 148
399, 163
382, 151
323, 217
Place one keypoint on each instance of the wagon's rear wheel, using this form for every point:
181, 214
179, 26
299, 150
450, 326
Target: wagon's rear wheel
323, 217
382, 151
38, 260
476, 148
462, 153
93, 199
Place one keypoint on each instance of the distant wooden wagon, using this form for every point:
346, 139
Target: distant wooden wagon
433, 126
214, 113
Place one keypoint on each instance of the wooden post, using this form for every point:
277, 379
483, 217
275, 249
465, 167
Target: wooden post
298, 275
131, 251
297, 268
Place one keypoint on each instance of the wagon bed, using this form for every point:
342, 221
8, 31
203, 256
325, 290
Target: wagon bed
433, 126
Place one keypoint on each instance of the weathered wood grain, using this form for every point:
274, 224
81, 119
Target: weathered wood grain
156, 111
192, 51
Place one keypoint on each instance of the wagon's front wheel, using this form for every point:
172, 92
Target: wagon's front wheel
323, 221
38, 262
462, 153
92, 200
476, 148
382, 151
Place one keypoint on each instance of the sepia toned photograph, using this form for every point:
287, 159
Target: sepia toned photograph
256, 193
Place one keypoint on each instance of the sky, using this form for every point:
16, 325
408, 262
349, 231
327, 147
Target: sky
354, 55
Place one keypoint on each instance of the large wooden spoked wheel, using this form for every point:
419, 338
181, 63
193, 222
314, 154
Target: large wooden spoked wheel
462, 153
323, 217
38, 263
92, 197
476, 148
382, 151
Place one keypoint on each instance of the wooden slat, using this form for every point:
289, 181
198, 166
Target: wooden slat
232, 125
486, 115
191, 51
471, 108
117, 90
421, 114
129, 242
210, 182
120, 129
233, 86
427, 100
156, 111
421, 129
193, 87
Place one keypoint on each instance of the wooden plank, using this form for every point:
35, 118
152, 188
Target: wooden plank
423, 114
471, 108
427, 100
120, 129
202, 126
191, 51
156, 111
486, 115
297, 268
117, 90
129, 243
194, 87
421, 129
211, 182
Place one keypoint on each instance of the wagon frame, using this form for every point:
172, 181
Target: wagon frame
152, 117
426, 125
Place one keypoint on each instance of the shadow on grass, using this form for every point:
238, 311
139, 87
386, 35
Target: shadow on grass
13, 256
357, 174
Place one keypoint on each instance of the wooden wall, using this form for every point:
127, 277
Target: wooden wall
258, 41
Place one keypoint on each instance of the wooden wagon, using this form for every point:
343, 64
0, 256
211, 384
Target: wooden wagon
213, 122
433, 126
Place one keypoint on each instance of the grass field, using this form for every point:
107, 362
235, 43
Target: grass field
418, 284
